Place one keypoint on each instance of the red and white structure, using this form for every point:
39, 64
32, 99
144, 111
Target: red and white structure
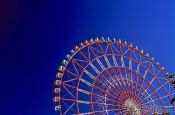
107, 76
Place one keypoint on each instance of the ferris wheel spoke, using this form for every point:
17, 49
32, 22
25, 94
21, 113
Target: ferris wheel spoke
153, 68
82, 54
69, 108
158, 98
149, 84
86, 102
94, 95
75, 68
130, 67
123, 66
116, 77
114, 48
96, 70
78, 65
126, 51
107, 61
142, 81
146, 93
136, 57
93, 76
113, 83
97, 58
105, 92
155, 91
101, 49
143, 62
88, 53
71, 73
98, 112
140, 97
136, 81
86, 92
93, 53
71, 80
106, 48
83, 80
65, 95
80, 60
69, 92
136, 77
87, 72
110, 99
95, 49
145, 74
121, 59
112, 78
113, 90
118, 80
103, 85
118, 69
99, 62
116, 65
138, 64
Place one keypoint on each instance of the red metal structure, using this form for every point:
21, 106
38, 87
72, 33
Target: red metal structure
105, 76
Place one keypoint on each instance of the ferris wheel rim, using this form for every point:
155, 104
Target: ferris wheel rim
156, 64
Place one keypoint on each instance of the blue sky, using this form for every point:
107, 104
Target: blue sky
35, 36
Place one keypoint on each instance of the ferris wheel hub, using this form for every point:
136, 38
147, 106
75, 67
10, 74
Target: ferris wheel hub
132, 107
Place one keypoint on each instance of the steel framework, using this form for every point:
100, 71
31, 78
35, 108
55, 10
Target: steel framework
105, 76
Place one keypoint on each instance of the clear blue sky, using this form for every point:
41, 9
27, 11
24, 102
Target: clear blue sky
35, 35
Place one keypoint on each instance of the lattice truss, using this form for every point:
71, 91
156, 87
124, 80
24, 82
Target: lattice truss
104, 77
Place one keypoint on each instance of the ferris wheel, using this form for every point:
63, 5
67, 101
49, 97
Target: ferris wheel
109, 77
